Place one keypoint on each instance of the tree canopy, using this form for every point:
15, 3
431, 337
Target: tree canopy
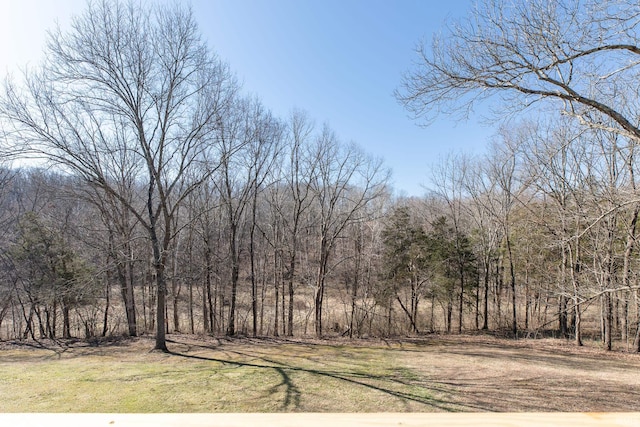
582, 55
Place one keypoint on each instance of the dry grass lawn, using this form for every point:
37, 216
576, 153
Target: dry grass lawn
435, 373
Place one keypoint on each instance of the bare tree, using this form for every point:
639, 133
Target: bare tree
247, 137
120, 229
204, 208
503, 167
582, 54
302, 166
481, 207
127, 81
555, 162
263, 152
345, 182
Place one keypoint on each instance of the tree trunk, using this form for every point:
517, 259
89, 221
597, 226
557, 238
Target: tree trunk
626, 272
284, 300
207, 300
477, 305
161, 292
410, 315
254, 285
485, 321
499, 285
125, 273
575, 267
514, 318
176, 313
126, 289
192, 326
66, 321
608, 321
562, 315
290, 314
320, 283
159, 259
263, 293
276, 289
291, 275
319, 295
231, 329
578, 325
636, 340
130, 303
461, 300
254, 289
107, 305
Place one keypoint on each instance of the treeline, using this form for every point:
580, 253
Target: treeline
168, 201
567, 201
250, 256
535, 238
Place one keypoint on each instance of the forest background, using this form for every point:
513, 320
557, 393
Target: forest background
167, 200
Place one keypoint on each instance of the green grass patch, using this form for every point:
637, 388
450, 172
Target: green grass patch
233, 377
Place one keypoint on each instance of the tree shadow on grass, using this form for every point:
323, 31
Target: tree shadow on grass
57, 346
293, 394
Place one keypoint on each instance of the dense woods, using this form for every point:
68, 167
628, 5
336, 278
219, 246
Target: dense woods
143, 193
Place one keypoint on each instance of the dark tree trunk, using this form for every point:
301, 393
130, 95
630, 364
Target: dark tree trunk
514, 319
231, 328
608, 321
485, 321
276, 290
562, 316
107, 305
461, 299
159, 259
320, 283
66, 321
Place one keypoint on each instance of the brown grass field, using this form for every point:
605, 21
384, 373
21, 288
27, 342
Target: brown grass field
425, 374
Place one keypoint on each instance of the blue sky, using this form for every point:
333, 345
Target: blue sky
338, 60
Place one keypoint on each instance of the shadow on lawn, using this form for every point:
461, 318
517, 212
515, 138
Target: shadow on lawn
293, 394
59, 347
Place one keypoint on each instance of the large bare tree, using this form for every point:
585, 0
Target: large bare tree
581, 57
128, 81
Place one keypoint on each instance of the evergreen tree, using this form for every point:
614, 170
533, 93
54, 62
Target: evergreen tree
454, 264
406, 262
52, 275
